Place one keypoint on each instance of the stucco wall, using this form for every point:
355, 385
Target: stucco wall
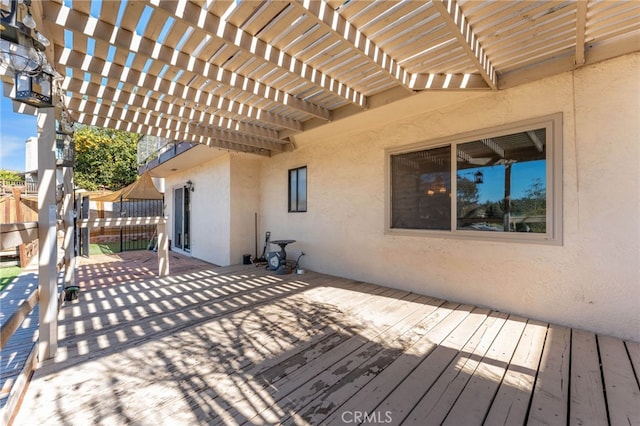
245, 204
223, 207
210, 206
592, 281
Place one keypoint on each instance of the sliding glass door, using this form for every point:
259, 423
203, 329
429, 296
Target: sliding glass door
181, 221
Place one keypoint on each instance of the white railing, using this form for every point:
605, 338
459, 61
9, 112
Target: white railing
26, 187
159, 221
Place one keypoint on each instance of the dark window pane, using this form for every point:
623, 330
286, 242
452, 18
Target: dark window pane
293, 191
302, 189
420, 189
501, 183
298, 190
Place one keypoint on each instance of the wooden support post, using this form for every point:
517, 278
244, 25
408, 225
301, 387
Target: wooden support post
163, 249
19, 219
47, 251
69, 241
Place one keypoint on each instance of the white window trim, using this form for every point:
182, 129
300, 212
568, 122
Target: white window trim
554, 173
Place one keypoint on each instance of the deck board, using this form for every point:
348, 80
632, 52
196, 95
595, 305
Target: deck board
475, 399
619, 381
588, 405
371, 362
360, 380
634, 355
439, 325
404, 397
325, 371
511, 403
239, 345
435, 405
550, 400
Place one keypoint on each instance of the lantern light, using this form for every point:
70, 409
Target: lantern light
21, 51
65, 150
34, 90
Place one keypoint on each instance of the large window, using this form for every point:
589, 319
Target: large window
500, 183
298, 190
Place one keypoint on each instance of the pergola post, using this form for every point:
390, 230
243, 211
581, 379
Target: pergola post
47, 247
67, 214
163, 249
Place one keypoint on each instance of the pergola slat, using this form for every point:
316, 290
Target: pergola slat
217, 27
182, 61
270, 70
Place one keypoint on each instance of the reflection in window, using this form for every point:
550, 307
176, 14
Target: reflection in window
501, 183
421, 191
298, 190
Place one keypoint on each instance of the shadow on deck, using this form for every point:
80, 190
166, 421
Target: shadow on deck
238, 345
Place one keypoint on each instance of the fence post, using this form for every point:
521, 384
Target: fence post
19, 218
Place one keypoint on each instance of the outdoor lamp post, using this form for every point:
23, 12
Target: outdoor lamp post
21, 48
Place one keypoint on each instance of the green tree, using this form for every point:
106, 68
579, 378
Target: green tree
105, 158
10, 176
534, 201
467, 196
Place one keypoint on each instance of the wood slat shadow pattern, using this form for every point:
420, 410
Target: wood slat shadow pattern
239, 345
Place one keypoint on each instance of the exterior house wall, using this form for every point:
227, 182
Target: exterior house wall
591, 281
223, 207
210, 206
245, 204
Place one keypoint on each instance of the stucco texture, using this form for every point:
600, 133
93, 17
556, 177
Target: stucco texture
591, 281
210, 207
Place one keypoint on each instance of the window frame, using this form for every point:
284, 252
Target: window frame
553, 125
297, 209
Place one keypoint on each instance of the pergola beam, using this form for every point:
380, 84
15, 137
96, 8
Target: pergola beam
213, 25
333, 22
98, 66
191, 66
149, 123
166, 105
536, 141
581, 24
493, 146
460, 28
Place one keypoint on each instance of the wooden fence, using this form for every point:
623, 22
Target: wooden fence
16, 208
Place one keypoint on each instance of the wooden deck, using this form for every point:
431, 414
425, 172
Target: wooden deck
239, 345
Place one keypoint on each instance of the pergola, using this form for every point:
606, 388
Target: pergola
247, 76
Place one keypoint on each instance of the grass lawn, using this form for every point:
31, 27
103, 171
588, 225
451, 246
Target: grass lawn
7, 275
104, 248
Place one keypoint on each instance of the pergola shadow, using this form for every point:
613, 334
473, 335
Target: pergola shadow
239, 345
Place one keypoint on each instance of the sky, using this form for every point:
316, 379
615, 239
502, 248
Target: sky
15, 129
523, 175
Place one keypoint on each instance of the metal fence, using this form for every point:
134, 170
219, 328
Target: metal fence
142, 236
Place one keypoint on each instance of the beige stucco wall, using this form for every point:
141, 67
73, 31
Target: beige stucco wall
245, 204
210, 206
223, 207
592, 281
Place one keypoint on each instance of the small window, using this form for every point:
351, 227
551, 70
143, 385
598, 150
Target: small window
298, 189
502, 183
